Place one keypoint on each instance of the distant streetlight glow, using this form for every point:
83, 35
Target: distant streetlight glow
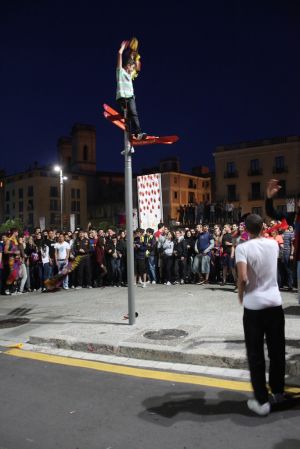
62, 178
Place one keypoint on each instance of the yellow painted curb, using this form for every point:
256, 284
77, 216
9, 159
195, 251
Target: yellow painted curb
139, 372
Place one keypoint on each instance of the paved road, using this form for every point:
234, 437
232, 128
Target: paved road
46, 406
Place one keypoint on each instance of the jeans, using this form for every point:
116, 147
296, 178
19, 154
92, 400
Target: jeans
132, 115
116, 270
61, 264
152, 268
258, 324
44, 270
23, 270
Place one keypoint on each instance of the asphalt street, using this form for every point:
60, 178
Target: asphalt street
46, 406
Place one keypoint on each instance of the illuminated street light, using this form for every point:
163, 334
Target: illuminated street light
62, 178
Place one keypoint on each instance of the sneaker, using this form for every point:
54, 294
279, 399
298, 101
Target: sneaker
181, 281
144, 285
78, 287
153, 282
66, 288
259, 409
141, 136
168, 283
89, 286
279, 398
7, 292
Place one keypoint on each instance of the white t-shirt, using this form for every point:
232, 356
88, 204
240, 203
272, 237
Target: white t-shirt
62, 250
260, 255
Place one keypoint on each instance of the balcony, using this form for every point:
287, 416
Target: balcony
231, 174
255, 172
280, 169
192, 185
255, 196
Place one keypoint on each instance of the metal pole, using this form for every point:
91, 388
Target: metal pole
61, 182
128, 150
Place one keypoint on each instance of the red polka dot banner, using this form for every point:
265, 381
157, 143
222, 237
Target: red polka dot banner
150, 200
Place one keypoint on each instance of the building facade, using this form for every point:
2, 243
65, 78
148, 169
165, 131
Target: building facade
243, 170
179, 188
33, 196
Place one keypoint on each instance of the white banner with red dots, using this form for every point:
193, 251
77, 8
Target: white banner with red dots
149, 200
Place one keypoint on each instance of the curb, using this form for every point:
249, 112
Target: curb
160, 355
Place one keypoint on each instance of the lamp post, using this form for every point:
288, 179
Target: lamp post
62, 178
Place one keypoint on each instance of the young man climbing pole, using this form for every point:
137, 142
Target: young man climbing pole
125, 93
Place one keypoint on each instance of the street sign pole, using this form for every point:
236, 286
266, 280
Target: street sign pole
128, 151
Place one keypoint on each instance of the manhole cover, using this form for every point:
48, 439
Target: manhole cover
166, 334
13, 322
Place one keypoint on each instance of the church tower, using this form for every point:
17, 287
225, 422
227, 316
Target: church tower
83, 139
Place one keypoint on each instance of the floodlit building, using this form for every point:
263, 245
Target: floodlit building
243, 170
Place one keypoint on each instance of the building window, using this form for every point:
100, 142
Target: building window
175, 195
53, 218
254, 169
54, 191
192, 184
282, 191
53, 205
254, 164
255, 191
21, 206
7, 195
13, 192
279, 165
257, 210
231, 192
85, 153
78, 193
21, 194
191, 197
30, 205
175, 179
279, 162
30, 218
30, 191
7, 210
231, 171
231, 167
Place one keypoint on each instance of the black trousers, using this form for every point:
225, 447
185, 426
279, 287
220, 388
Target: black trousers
258, 324
84, 272
133, 118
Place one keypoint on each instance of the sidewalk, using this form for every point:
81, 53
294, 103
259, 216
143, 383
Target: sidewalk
190, 324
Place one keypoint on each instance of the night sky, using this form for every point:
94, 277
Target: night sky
213, 72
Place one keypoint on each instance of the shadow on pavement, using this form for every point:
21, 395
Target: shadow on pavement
174, 407
288, 443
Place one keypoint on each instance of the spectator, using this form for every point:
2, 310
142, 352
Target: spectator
62, 253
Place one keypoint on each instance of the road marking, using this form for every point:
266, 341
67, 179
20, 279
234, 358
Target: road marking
139, 372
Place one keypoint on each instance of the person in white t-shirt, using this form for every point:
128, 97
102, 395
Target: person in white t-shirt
263, 314
62, 253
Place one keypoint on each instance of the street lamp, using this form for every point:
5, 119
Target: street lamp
62, 178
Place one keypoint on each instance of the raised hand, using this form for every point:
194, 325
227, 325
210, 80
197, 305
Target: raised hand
272, 188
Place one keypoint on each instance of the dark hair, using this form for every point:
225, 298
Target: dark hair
129, 61
160, 225
254, 224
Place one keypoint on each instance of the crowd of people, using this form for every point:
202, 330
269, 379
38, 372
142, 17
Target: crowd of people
220, 212
200, 255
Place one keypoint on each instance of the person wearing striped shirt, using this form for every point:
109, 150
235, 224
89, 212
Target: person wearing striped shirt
125, 93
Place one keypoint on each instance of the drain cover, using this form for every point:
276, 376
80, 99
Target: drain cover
166, 334
13, 322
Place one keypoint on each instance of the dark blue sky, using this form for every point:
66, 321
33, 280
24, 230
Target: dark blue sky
213, 72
